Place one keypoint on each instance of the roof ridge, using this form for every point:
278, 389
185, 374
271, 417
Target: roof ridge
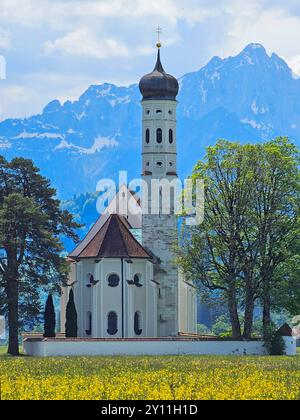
105, 229
102, 228
136, 241
121, 234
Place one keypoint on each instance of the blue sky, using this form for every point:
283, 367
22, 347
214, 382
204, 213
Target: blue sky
57, 48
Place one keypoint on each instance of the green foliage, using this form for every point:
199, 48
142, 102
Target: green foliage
247, 251
31, 226
274, 342
49, 318
203, 330
71, 317
222, 326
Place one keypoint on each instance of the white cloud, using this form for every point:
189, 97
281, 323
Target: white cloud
294, 64
76, 34
5, 40
82, 42
273, 28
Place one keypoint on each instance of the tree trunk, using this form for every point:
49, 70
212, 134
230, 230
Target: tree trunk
233, 313
249, 312
266, 313
13, 315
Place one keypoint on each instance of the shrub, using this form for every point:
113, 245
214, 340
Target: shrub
275, 343
71, 318
49, 319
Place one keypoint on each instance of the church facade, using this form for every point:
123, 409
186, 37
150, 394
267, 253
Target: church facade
123, 274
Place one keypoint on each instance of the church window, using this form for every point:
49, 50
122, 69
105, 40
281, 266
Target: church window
112, 323
138, 323
89, 323
147, 136
159, 135
148, 164
159, 111
113, 280
171, 136
171, 164
170, 112
148, 112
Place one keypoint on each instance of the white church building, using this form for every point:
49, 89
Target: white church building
123, 274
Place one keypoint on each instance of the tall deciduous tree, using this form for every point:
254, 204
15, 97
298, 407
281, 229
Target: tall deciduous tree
31, 224
276, 210
71, 317
250, 236
49, 318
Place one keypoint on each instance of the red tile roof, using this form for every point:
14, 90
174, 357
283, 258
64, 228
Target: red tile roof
113, 240
285, 331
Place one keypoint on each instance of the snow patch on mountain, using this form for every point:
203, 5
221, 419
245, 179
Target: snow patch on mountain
253, 123
4, 144
80, 116
248, 97
99, 144
27, 135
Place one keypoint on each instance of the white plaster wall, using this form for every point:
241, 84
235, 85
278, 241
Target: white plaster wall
140, 298
110, 297
102, 299
160, 231
83, 295
290, 346
135, 348
187, 307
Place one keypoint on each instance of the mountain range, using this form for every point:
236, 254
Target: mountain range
249, 97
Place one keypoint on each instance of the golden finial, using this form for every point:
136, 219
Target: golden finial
159, 31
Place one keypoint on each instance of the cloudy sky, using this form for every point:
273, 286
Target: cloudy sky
57, 48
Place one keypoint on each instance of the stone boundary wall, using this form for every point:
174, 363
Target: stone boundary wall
81, 347
147, 347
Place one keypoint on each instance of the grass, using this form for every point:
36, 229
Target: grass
123, 378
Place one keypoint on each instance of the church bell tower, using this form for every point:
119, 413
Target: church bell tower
159, 161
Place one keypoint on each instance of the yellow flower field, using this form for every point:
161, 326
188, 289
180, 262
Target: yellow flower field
182, 377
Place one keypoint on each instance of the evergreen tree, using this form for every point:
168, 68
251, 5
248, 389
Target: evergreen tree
49, 318
31, 225
71, 317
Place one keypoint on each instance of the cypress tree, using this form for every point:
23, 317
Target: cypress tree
71, 317
49, 318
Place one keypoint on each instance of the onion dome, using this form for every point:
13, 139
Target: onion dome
159, 84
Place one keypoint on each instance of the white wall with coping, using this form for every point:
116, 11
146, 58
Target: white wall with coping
147, 348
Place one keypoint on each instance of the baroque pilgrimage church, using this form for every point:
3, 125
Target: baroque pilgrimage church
123, 275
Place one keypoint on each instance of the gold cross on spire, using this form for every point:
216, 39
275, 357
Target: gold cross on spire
159, 31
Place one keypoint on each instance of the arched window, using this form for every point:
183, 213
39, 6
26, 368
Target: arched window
147, 136
171, 136
113, 280
159, 135
89, 323
112, 323
138, 323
